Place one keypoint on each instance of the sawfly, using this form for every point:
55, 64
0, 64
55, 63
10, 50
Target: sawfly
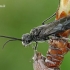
43, 32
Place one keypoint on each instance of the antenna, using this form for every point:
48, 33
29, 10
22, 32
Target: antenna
51, 15
11, 39
49, 18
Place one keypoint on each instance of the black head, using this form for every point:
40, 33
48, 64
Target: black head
26, 39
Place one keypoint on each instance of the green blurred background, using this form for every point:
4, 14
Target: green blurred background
19, 17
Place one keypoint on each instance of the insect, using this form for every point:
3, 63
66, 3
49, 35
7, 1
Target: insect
49, 32
43, 32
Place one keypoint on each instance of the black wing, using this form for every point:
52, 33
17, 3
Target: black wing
44, 31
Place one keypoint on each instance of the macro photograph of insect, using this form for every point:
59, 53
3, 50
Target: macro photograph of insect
34, 35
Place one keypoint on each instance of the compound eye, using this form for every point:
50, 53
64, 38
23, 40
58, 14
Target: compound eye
26, 39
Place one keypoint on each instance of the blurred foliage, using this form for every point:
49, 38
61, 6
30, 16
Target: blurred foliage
17, 18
